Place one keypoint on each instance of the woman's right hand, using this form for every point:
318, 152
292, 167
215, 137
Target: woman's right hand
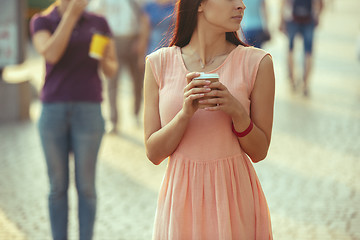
76, 7
194, 90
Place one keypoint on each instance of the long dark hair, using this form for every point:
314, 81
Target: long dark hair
186, 12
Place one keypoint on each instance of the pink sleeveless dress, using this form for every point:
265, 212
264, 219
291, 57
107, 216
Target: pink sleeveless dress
210, 190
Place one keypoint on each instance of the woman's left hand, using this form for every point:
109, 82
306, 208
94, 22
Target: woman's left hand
223, 100
108, 62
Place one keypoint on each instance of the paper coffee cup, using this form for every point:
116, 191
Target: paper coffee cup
97, 45
213, 77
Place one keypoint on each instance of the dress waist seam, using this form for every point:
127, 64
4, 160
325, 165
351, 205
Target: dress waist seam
177, 156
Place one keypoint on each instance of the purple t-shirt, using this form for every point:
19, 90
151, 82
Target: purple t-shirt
75, 76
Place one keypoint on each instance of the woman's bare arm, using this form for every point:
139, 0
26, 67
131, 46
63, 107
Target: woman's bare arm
257, 143
161, 142
52, 46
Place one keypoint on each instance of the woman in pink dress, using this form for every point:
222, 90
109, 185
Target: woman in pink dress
210, 189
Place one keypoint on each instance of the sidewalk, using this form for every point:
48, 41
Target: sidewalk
310, 177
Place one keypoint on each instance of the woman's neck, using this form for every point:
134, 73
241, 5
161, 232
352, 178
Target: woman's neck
205, 52
207, 46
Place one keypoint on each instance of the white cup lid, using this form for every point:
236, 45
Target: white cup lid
207, 76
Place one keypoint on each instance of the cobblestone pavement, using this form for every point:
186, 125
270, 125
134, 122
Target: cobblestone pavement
310, 177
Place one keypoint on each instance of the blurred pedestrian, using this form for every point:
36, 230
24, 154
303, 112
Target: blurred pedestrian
71, 120
300, 17
211, 131
255, 23
156, 23
124, 18
358, 45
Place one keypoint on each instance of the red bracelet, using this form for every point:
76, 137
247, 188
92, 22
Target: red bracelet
245, 132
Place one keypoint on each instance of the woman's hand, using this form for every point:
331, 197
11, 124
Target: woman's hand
194, 90
53, 45
109, 62
76, 7
223, 100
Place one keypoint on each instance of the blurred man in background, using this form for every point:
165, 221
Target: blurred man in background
255, 23
156, 24
300, 17
124, 20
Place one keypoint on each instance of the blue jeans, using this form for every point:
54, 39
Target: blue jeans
71, 128
305, 30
